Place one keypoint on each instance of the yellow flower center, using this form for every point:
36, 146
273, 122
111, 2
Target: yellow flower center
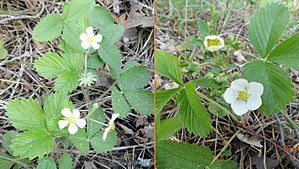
112, 127
243, 95
213, 42
90, 39
71, 119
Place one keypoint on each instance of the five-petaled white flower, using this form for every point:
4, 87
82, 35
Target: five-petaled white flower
111, 126
87, 80
213, 43
244, 96
72, 119
90, 40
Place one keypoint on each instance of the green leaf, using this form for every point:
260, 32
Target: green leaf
162, 97
32, 144
103, 146
50, 65
287, 53
75, 61
5, 164
175, 155
68, 81
119, 103
48, 28
130, 64
65, 162
266, 26
77, 9
216, 109
80, 141
111, 56
192, 112
95, 114
112, 33
207, 82
203, 28
100, 17
141, 100
278, 88
26, 114
168, 66
7, 138
224, 164
94, 62
135, 78
46, 163
71, 35
3, 51
168, 127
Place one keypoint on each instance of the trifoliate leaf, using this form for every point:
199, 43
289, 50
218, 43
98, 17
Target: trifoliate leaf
32, 144
278, 87
26, 114
46, 163
175, 155
95, 114
162, 97
192, 112
7, 138
168, 66
266, 26
80, 141
50, 65
75, 61
224, 164
77, 9
65, 162
119, 103
100, 17
48, 28
141, 100
103, 146
168, 127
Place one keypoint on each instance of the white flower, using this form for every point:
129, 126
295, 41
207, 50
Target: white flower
110, 127
72, 119
87, 80
213, 43
90, 40
244, 96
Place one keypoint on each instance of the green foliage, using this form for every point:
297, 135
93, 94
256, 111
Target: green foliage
287, 53
119, 103
48, 28
203, 28
278, 88
266, 26
224, 164
104, 17
46, 163
168, 127
141, 100
103, 146
3, 51
162, 97
7, 138
65, 162
95, 114
77, 9
80, 141
94, 62
192, 112
32, 143
168, 66
207, 83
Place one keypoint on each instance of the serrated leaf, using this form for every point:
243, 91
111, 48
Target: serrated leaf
71, 35
220, 164
168, 127
130, 64
46, 163
141, 100
32, 144
94, 62
26, 114
5, 164
95, 114
77, 9
112, 33
80, 141
266, 26
75, 61
48, 28
216, 109
162, 97
175, 155
192, 113
119, 103
278, 88
65, 162
100, 16
50, 65
67, 81
135, 78
7, 138
168, 66
3, 51
203, 28
287, 53
207, 82
103, 146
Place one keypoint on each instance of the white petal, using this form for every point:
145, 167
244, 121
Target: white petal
89, 31
255, 88
113, 118
254, 102
76, 113
239, 85
83, 37
205, 42
213, 48
230, 96
211, 37
85, 45
66, 112
239, 107
105, 134
221, 42
73, 128
81, 123
98, 38
95, 45
62, 124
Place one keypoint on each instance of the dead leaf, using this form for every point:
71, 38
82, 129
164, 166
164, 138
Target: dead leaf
240, 57
141, 121
89, 165
136, 19
126, 129
251, 140
259, 162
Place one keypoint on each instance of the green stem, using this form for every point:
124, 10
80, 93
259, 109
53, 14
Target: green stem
15, 161
289, 119
96, 121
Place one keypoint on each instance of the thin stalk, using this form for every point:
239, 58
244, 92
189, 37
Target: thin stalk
15, 161
104, 124
289, 119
